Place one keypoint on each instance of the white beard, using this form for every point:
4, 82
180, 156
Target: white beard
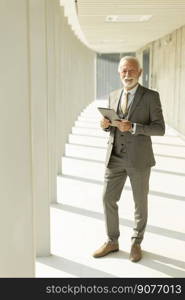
129, 82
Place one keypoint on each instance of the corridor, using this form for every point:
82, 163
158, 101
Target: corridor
59, 61
77, 221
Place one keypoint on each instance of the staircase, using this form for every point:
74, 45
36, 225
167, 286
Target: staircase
77, 221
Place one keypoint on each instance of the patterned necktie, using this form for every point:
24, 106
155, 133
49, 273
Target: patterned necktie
124, 104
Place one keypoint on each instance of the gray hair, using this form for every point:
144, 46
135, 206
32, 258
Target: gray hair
127, 58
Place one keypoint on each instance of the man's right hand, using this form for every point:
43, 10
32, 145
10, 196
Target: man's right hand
105, 123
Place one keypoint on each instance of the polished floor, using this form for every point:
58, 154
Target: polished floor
77, 220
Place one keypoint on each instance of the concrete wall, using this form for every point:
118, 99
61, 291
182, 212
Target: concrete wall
42, 51
47, 78
168, 75
16, 212
77, 83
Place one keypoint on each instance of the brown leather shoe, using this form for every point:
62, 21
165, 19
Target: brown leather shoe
135, 253
107, 248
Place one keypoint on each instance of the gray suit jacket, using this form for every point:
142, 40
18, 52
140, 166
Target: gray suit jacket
146, 112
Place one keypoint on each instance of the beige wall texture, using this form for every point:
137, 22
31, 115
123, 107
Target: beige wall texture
167, 65
41, 16
77, 83
46, 79
16, 212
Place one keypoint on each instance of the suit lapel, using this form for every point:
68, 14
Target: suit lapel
116, 99
139, 93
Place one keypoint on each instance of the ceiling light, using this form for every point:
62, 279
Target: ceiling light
128, 18
112, 41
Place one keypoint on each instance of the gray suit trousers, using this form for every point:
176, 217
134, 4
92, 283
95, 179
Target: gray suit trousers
115, 177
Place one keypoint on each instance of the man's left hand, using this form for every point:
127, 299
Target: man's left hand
124, 125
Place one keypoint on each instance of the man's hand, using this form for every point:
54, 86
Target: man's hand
105, 123
123, 125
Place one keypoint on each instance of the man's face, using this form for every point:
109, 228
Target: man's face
129, 74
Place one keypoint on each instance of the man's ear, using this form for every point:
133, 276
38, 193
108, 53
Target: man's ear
140, 72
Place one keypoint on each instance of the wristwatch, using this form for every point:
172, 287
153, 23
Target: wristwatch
132, 128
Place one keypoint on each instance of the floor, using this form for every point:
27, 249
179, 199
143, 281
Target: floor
77, 220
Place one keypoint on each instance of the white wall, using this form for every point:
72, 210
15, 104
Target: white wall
77, 83
46, 79
39, 120
16, 211
168, 75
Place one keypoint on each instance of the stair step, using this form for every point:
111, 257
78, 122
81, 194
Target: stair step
94, 108
89, 131
81, 151
91, 113
165, 150
75, 191
82, 168
88, 140
88, 124
95, 103
94, 120
169, 140
95, 115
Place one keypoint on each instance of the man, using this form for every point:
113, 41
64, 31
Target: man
130, 153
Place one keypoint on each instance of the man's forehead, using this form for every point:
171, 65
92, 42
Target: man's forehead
129, 63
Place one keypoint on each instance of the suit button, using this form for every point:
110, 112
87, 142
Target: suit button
123, 151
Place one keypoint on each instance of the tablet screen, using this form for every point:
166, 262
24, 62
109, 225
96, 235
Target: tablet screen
109, 113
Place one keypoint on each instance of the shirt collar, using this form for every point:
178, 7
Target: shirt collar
133, 91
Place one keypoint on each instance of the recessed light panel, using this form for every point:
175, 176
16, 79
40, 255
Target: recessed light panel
128, 18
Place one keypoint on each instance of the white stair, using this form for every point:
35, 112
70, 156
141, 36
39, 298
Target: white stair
88, 140
87, 124
77, 219
86, 152
89, 131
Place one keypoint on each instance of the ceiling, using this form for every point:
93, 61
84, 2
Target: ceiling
88, 20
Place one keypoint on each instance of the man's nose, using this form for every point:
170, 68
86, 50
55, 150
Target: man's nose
127, 72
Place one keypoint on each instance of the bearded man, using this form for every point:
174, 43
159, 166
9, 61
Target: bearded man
130, 154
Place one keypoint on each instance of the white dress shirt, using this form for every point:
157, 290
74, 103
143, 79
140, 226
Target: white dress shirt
130, 95
130, 100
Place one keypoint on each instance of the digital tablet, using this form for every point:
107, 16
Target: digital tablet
109, 113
